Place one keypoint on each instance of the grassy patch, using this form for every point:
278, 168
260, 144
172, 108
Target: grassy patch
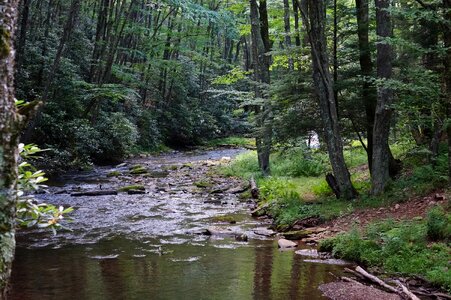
224, 219
131, 188
114, 174
203, 184
401, 247
232, 141
297, 180
138, 169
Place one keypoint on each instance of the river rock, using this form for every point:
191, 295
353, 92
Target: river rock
286, 244
219, 231
241, 237
264, 232
308, 252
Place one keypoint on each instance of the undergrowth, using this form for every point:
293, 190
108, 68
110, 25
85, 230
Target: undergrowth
403, 247
298, 179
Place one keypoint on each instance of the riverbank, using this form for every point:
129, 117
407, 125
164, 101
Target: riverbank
297, 198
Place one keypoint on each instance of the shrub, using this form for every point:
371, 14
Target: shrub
399, 247
438, 224
297, 163
118, 136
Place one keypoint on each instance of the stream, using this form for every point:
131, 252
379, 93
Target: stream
154, 246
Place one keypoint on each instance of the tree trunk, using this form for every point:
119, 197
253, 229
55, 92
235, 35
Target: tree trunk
25, 11
296, 22
286, 19
9, 140
366, 68
447, 73
261, 62
381, 150
313, 14
335, 55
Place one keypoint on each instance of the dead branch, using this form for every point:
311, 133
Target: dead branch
376, 280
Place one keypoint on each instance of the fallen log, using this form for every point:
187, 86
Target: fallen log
376, 280
356, 274
238, 190
406, 291
347, 279
254, 188
94, 193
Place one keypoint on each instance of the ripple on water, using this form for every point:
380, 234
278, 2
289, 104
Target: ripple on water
189, 259
102, 257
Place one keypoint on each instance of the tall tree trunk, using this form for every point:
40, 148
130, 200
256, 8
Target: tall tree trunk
447, 73
366, 68
313, 15
8, 141
25, 11
261, 62
286, 20
335, 54
296, 22
381, 150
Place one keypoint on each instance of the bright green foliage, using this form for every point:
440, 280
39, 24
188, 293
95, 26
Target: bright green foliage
398, 247
29, 211
438, 224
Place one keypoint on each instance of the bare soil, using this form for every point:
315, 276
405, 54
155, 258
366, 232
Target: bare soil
416, 207
354, 291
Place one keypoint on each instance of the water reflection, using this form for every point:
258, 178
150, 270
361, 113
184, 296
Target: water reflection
254, 271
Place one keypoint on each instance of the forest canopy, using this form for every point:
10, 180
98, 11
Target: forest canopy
121, 76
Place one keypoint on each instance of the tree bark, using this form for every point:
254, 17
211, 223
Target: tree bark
286, 20
366, 68
25, 11
447, 74
335, 55
9, 140
313, 15
261, 62
296, 22
381, 150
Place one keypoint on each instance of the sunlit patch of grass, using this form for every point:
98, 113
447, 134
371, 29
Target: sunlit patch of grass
232, 141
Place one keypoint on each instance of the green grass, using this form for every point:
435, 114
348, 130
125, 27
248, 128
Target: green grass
297, 189
403, 247
297, 179
232, 141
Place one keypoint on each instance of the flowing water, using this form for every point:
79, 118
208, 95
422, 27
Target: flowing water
151, 246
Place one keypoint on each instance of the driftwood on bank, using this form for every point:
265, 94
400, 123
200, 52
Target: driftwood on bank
254, 188
347, 279
356, 274
94, 193
406, 291
376, 280
402, 290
